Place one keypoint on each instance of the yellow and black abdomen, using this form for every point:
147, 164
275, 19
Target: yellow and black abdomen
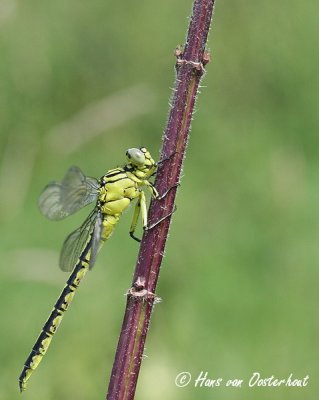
50, 327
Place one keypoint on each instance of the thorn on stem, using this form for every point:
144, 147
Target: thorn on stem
138, 291
198, 65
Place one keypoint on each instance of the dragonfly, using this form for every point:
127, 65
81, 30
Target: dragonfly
113, 193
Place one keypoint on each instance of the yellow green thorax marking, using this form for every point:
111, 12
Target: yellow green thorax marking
113, 193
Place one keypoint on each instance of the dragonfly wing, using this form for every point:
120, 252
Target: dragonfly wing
76, 242
96, 239
60, 199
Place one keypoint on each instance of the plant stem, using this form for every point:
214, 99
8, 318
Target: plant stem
140, 300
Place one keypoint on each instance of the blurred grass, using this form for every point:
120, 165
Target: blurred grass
239, 280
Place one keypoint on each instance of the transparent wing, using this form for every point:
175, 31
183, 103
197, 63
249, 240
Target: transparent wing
96, 239
75, 243
60, 199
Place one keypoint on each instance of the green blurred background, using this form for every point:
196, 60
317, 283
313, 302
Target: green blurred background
80, 82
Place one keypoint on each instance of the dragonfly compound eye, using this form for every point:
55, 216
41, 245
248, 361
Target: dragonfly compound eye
136, 157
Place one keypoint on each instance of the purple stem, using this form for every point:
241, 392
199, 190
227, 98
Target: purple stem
140, 299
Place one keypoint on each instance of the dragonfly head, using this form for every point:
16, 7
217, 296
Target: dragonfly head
141, 161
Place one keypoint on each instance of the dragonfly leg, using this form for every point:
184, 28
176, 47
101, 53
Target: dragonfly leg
149, 227
164, 159
139, 208
167, 158
155, 193
152, 189
162, 196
